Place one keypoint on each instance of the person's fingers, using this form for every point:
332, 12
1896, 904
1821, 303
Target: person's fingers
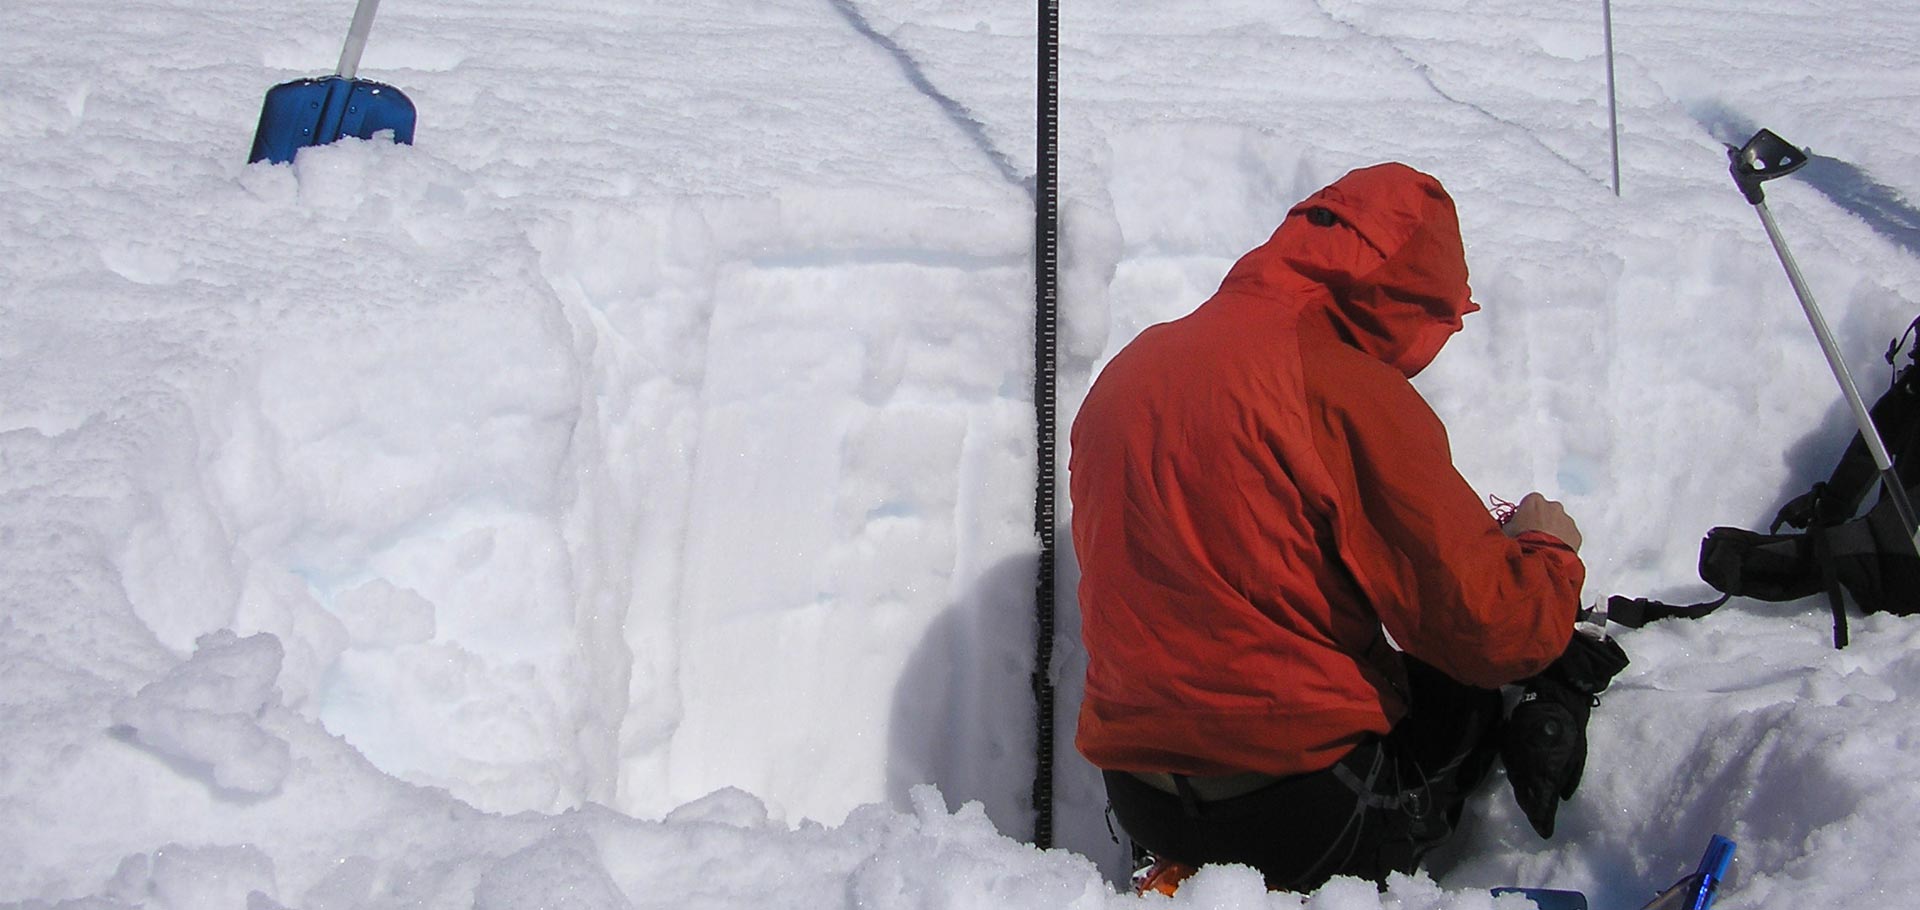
1536, 512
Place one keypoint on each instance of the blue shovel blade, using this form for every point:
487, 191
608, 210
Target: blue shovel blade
1547, 898
308, 112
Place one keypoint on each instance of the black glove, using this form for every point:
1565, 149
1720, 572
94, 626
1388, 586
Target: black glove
1544, 742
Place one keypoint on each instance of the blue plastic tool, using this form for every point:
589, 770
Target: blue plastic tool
1548, 898
1696, 891
320, 110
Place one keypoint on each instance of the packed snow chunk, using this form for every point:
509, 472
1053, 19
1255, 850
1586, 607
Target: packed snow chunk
205, 714
560, 872
278, 602
1235, 887
933, 859
726, 806
176, 877
380, 614
347, 885
1092, 248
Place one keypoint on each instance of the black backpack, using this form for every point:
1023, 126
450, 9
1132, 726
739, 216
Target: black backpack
1870, 556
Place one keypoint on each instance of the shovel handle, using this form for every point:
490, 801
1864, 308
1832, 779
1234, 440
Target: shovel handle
357, 38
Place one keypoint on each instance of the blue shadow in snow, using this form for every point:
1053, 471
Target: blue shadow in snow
1879, 205
1847, 186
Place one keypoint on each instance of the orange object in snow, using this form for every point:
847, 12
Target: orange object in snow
1162, 877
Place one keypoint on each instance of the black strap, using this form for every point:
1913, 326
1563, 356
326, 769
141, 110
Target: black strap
1189, 797
1634, 612
1893, 350
1823, 556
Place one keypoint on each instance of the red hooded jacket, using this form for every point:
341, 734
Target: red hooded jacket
1258, 491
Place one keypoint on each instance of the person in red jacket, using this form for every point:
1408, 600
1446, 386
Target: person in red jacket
1297, 614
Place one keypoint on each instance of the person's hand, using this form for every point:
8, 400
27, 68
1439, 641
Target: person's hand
1538, 513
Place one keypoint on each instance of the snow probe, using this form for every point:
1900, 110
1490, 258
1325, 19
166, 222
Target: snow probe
1765, 157
319, 110
1046, 413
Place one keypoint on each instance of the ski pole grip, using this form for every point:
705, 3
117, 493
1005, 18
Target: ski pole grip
1744, 178
357, 38
1763, 158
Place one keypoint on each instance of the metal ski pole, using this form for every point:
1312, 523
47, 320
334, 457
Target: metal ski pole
1613, 102
356, 38
1763, 158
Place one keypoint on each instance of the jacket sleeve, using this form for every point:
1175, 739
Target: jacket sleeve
1447, 583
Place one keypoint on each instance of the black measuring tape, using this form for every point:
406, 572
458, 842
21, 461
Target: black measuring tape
1046, 345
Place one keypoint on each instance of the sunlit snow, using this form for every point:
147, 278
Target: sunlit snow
622, 496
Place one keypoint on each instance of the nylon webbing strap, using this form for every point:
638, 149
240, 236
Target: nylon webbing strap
1634, 612
1046, 340
1363, 791
1823, 554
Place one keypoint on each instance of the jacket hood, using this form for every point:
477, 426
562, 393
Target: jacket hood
1385, 243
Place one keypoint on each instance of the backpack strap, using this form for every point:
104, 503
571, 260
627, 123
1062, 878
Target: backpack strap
1823, 556
1634, 612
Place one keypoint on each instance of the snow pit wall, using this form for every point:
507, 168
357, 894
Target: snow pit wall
660, 500
717, 492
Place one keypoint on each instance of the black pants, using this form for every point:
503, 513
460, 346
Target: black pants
1378, 810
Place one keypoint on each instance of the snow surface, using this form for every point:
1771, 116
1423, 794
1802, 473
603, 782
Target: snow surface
622, 497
